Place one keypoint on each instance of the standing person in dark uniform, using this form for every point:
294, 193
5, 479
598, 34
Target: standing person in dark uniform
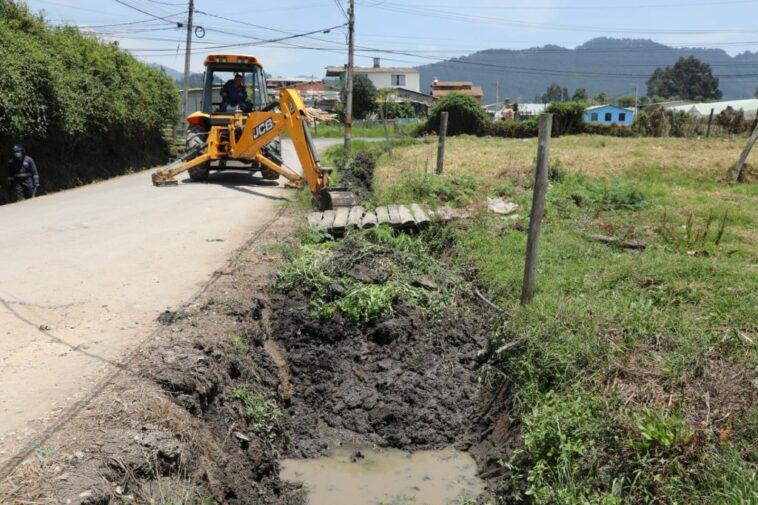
23, 178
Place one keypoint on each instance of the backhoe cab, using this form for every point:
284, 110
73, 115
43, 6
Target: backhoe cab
219, 139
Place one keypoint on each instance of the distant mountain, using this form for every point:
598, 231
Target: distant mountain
174, 74
196, 79
609, 65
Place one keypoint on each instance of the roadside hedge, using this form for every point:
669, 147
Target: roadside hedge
85, 109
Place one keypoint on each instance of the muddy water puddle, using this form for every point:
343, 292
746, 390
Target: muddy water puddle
362, 476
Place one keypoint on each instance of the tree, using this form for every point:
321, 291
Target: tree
465, 114
626, 101
688, 79
580, 95
600, 98
565, 94
553, 93
364, 96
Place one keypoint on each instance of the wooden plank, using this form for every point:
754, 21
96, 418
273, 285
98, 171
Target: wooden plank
394, 215
382, 215
355, 216
418, 212
406, 217
314, 219
327, 220
340, 219
369, 220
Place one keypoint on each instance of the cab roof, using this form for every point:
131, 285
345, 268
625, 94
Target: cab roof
238, 59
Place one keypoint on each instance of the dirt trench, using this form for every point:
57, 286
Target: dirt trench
243, 377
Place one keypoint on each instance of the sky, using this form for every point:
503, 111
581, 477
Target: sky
402, 33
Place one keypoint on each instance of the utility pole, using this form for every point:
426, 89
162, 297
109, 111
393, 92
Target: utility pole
187, 54
497, 93
636, 101
349, 84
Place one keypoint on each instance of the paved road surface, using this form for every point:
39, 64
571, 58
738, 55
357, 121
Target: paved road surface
84, 274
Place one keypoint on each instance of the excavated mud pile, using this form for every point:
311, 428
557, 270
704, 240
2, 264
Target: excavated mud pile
203, 376
408, 382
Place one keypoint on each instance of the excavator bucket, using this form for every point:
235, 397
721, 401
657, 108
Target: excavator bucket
328, 199
161, 179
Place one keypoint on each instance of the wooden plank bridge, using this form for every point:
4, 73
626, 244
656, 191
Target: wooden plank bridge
397, 216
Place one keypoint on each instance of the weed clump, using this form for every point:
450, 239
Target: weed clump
433, 189
262, 411
585, 192
303, 270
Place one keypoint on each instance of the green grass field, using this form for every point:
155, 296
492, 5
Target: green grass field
634, 373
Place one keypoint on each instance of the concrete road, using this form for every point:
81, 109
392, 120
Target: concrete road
84, 274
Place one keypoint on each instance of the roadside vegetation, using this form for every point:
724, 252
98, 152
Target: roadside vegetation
633, 374
85, 109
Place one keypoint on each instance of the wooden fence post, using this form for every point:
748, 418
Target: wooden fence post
386, 130
441, 146
710, 120
538, 206
735, 173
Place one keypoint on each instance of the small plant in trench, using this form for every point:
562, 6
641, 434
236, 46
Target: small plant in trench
239, 341
261, 410
231, 306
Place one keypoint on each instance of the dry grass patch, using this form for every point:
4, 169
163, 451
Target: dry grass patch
497, 158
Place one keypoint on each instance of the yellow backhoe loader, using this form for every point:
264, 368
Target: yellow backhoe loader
223, 137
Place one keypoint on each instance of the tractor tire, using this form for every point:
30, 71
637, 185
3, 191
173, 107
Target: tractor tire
269, 175
274, 153
195, 138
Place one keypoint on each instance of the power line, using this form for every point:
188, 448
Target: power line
342, 9
145, 21
164, 18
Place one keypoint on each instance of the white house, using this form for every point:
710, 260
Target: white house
382, 77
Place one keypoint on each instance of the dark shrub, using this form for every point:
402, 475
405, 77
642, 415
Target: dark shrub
567, 117
465, 115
